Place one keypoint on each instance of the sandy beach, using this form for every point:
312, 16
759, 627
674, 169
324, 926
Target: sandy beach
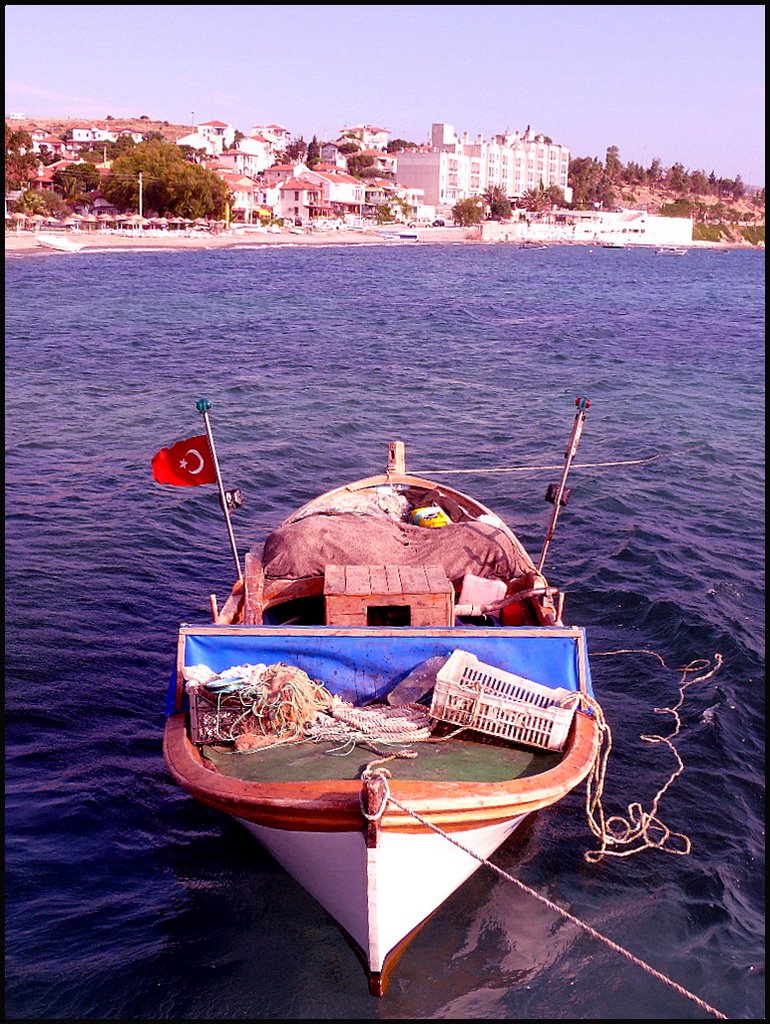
26, 241
17, 242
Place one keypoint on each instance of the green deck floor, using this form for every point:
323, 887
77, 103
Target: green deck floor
460, 759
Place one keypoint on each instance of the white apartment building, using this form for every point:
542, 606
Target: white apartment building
454, 167
278, 136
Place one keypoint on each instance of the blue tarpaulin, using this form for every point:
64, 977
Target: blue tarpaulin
362, 666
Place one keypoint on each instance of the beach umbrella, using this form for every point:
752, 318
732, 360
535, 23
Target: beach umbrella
104, 219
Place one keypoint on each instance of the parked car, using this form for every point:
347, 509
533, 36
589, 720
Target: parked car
439, 223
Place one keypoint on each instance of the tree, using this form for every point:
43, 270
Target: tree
170, 184
537, 199
313, 153
677, 178
584, 177
555, 195
655, 172
74, 180
699, 183
123, 144
634, 174
297, 149
399, 144
358, 163
20, 160
612, 165
590, 185
498, 203
467, 212
35, 200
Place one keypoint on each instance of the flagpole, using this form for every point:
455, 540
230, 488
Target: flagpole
583, 405
203, 405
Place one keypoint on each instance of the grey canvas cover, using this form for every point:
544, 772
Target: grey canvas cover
304, 547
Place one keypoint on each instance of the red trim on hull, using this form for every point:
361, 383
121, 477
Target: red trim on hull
333, 806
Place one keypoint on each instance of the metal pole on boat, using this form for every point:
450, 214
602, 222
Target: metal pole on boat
559, 498
203, 405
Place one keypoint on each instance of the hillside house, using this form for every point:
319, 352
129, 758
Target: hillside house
301, 201
366, 135
219, 134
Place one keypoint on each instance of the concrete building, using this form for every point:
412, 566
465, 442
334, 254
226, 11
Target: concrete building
619, 228
455, 167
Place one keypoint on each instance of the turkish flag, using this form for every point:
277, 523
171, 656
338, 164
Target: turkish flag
185, 464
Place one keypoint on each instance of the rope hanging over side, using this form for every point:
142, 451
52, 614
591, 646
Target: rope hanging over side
617, 834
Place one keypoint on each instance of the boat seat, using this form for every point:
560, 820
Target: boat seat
387, 595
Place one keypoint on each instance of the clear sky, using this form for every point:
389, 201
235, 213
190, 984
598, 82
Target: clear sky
682, 83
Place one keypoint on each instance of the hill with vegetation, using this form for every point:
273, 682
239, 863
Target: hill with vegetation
723, 210
59, 126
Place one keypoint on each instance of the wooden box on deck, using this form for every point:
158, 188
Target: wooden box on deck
361, 595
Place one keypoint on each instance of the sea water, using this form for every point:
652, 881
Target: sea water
126, 899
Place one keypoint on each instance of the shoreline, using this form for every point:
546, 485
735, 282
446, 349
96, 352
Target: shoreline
26, 241
148, 241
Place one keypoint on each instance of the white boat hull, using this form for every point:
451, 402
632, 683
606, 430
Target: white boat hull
380, 895
59, 244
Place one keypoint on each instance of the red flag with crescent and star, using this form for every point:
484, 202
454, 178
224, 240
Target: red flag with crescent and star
185, 464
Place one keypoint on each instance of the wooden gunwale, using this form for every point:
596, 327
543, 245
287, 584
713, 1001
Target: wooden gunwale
330, 806
406, 479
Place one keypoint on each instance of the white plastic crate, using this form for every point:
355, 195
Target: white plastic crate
470, 693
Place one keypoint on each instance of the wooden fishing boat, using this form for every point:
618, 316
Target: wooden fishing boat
401, 623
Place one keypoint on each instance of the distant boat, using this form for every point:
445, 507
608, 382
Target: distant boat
671, 250
533, 245
59, 244
613, 245
403, 236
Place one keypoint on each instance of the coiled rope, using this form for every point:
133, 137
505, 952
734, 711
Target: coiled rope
344, 723
383, 775
616, 833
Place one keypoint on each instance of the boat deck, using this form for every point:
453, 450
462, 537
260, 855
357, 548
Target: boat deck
459, 759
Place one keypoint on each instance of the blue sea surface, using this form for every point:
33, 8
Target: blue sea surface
126, 899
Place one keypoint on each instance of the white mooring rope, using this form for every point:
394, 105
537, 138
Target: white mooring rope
636, 829
388, 798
